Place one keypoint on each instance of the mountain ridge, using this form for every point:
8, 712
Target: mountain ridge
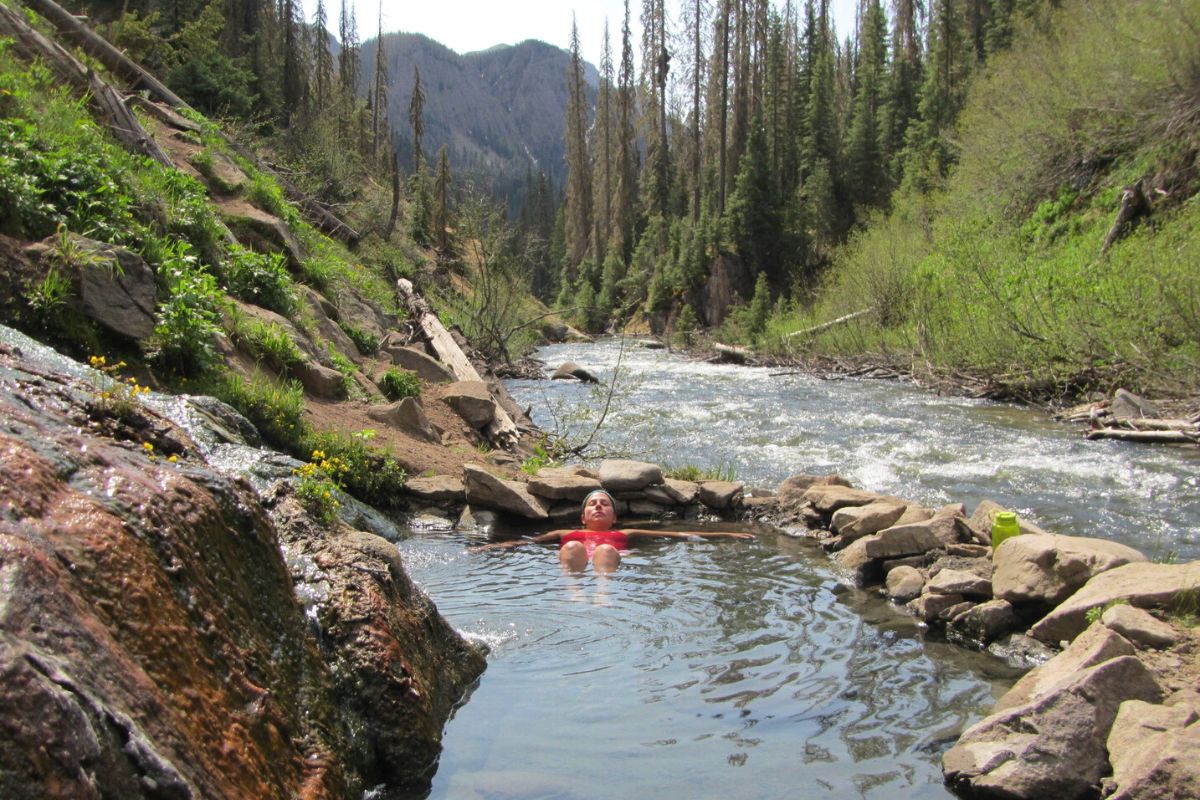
501, 111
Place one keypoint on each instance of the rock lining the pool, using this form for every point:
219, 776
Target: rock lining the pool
1112, 710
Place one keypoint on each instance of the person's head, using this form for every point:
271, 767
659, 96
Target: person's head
599, 512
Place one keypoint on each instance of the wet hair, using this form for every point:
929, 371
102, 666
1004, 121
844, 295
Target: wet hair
611, 501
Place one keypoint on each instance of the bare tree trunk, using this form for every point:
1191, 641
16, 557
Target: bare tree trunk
395, 215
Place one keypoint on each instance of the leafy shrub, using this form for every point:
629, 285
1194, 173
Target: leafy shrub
276, 410
260, 278
188, 318
400, 383
371, 475
270, 342
318, 485
365, 342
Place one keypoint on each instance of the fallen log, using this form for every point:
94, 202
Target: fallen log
1160, 425
501, 430
832, 323
1134, 204
106, 102
137, 78
1149, 437
730, 353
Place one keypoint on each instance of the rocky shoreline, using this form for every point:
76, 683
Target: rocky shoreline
1110, 705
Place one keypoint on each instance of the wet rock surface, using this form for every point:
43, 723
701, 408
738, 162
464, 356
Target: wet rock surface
151, 641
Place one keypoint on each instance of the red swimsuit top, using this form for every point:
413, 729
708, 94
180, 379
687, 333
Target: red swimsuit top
593, 539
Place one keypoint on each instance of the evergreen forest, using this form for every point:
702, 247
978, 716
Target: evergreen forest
999, 190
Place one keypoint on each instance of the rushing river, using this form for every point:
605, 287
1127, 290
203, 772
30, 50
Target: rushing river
746, 669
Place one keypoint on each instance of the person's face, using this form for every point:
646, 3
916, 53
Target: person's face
598, 513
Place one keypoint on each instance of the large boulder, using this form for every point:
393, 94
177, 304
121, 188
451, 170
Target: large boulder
897, 541
1139, 626
485, 489
954, 581
117, 289
904, 583
1126, 405
984, 623
562, 483
569, 370
156, 622
1048, 568
408, 415
1053, 746
1141, 584
472, 401
618, 475
721, 495
1155, 752
262, 231
855, 522
319, 308
1094, 646
428, 368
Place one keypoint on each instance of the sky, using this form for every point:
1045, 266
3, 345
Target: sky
468, 25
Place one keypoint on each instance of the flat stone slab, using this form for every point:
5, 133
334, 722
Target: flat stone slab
485, 489
619, 475
437, 488
829, 498
1143, 584
562, 483
721, 495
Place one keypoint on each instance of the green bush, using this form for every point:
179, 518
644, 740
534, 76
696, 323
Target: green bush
270, 342
260, 278
276, 409
188, 319
400, 383
365, 342
370, 474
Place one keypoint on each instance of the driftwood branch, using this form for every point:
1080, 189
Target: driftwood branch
501, 430
832, 323
1134, 204
1153, 437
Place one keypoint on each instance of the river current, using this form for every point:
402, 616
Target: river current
749, 669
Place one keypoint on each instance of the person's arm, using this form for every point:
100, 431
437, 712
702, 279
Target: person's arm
550, 536
631, 532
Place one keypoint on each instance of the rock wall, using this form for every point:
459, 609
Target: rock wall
151, 640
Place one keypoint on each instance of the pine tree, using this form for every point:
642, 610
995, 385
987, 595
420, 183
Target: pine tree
380, 126
943, 93
656, 186
441, 202
322, 60
602, 172
754, 209
578, 200
416, 118
625, 190
903, 86
864, 156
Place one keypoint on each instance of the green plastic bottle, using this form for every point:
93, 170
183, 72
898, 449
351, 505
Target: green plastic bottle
1004, 526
